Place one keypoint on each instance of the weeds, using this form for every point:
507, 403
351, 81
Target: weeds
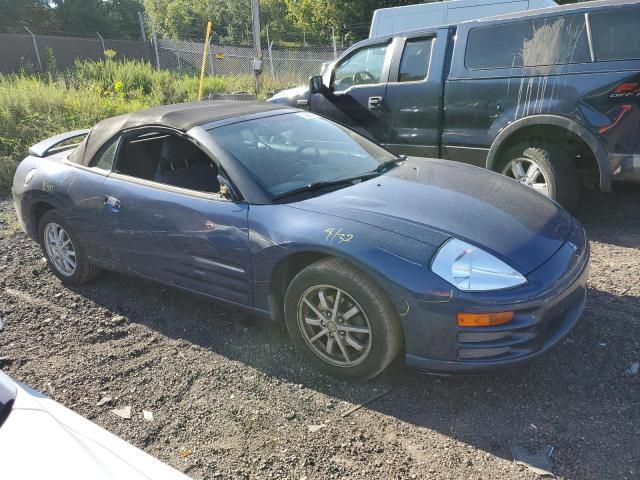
9, 225
7, 169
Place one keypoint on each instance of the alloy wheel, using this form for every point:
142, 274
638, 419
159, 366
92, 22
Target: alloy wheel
334, 325
528, 173
60, 249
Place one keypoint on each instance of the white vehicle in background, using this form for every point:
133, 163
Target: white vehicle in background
41, 439
387, 21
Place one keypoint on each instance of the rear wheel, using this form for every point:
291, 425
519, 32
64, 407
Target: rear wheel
546, 168
341, 321
65, 256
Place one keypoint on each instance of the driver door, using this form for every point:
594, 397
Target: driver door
356, 96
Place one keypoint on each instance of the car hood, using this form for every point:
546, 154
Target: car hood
290, 96
433, 200
43, 439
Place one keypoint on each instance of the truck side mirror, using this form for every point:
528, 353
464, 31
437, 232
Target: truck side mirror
316, 85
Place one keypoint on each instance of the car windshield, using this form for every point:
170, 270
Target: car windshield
287, 152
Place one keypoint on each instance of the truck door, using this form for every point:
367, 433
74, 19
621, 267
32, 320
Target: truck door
414, 94
356, 95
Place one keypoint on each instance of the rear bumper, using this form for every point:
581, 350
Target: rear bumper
540, 320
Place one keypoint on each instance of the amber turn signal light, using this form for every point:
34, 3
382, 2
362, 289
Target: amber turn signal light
484, 319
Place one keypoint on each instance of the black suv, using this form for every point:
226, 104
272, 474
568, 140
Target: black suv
550, 97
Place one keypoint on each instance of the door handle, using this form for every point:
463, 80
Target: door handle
112, 202
375, 103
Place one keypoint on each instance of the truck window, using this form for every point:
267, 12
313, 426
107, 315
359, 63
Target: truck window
616, 34
364, 67
416, 56
557, 40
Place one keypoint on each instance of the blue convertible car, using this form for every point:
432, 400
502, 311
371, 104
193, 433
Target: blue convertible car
364, 255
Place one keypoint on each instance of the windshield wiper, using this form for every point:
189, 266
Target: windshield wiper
384, 166
327, 183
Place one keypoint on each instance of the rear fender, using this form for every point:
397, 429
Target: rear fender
589, 138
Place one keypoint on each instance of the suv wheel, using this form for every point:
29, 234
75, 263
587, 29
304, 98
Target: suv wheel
547, 169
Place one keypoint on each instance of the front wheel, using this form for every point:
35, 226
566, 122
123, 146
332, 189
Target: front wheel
546, 168
341, 321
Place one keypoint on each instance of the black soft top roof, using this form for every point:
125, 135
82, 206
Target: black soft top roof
180, 116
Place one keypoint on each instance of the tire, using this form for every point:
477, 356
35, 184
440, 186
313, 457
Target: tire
373, 312
563, 184
84, 271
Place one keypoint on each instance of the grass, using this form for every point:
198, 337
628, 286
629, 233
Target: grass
9, 225
34, 107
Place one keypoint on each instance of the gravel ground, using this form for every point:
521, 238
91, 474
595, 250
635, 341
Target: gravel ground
231, 399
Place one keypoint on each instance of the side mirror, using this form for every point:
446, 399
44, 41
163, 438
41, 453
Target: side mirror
316, 85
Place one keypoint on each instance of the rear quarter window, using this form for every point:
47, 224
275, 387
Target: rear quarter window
557, 40
616, 34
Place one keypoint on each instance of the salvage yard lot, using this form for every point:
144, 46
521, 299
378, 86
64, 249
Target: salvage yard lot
231, 399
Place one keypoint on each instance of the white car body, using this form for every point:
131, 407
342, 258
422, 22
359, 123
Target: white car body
42, 439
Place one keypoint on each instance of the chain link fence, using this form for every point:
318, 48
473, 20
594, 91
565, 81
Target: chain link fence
35, 53
31, 52
295, 63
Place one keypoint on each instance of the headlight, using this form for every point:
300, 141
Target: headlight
470, 268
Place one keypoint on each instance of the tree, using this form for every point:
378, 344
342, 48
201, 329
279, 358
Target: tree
84, 17
123, 18
112, 18
14, 14
188, 18
345, 17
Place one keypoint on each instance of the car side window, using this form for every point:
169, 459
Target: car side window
416, 56
364, 67
557, 40
616, 34
105, 157
168, 159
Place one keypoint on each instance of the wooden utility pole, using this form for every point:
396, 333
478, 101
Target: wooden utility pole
204, 60
257, 55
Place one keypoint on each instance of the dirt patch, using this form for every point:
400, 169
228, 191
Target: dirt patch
231, 399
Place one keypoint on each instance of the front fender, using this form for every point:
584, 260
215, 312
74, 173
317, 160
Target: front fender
398, 264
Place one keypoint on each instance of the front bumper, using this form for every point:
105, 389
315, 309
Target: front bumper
545, 313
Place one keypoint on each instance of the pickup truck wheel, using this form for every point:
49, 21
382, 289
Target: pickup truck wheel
547, 169
65, 256
341, 321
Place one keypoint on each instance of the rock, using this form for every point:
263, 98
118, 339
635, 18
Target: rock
315, 428
117, 319
1, 324
185, 452
103, 401
124, 412
290, 415
633, 369
147, 415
